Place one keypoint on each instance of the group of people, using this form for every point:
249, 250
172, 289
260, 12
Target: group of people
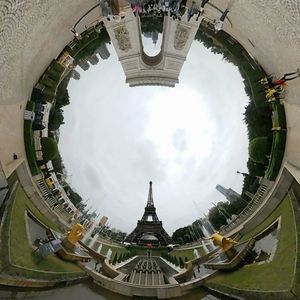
174, 8
274, 88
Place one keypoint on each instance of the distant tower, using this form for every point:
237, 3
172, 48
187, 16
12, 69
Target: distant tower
149, 225
103, 221
230, 194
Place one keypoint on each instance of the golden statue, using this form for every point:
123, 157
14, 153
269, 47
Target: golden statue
219, 240
75, 234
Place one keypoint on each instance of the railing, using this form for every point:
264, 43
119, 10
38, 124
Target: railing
51, 200
250, 208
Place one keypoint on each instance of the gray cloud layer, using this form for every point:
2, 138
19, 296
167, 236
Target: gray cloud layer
105, 145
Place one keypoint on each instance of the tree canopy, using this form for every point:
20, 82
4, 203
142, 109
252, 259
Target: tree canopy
49, 148
258, 148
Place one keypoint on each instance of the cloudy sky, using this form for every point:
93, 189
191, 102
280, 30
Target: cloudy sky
185, 139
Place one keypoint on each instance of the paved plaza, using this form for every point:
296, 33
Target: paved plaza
34, 32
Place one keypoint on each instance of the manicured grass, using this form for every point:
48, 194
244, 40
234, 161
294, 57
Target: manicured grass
276, 275
20, 250
31, 207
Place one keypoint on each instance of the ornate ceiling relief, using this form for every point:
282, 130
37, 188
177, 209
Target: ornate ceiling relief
122, 36
181, 36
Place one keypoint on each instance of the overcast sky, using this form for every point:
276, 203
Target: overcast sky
185, 139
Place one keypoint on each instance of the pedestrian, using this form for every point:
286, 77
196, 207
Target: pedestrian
201, 9
272, 93
3, 188
191, 10
137, 8
96, 265
283, 79
219, 23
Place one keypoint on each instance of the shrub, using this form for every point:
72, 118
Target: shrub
258, 149
29, 147
181, 263
49, 148
115, 259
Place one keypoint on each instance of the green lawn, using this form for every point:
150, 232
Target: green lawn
20, 250
276, 275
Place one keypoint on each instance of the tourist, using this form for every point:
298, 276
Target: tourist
137, 7
201, 9
106, 9
96, 265
175, 9
282, 81
272, 93
219, 23
167, 6
192, 10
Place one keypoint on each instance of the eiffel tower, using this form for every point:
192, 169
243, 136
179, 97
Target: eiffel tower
149, 224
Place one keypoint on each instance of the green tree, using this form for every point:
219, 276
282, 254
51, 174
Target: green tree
115, 259
181, 263
49, 148
120, 258
216, 218
258, 148
176, 261
56, 119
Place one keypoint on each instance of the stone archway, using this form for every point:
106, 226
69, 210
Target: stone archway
142, 69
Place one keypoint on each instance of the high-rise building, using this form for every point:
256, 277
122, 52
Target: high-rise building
103, 221
230, 194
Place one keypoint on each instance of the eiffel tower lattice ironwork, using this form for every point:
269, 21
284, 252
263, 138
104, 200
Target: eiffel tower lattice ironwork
149, 224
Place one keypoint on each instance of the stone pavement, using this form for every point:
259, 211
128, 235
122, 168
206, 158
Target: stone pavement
33, 32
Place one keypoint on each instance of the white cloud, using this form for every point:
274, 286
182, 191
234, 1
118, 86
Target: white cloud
186, 139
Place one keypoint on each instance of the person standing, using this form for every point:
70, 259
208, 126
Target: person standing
268, 82
201, 8
219, 23
191, 10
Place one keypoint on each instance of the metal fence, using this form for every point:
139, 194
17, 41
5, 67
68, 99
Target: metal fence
254, 203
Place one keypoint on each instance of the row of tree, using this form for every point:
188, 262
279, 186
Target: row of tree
174, 260
188, 234
257, 117
122, 257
